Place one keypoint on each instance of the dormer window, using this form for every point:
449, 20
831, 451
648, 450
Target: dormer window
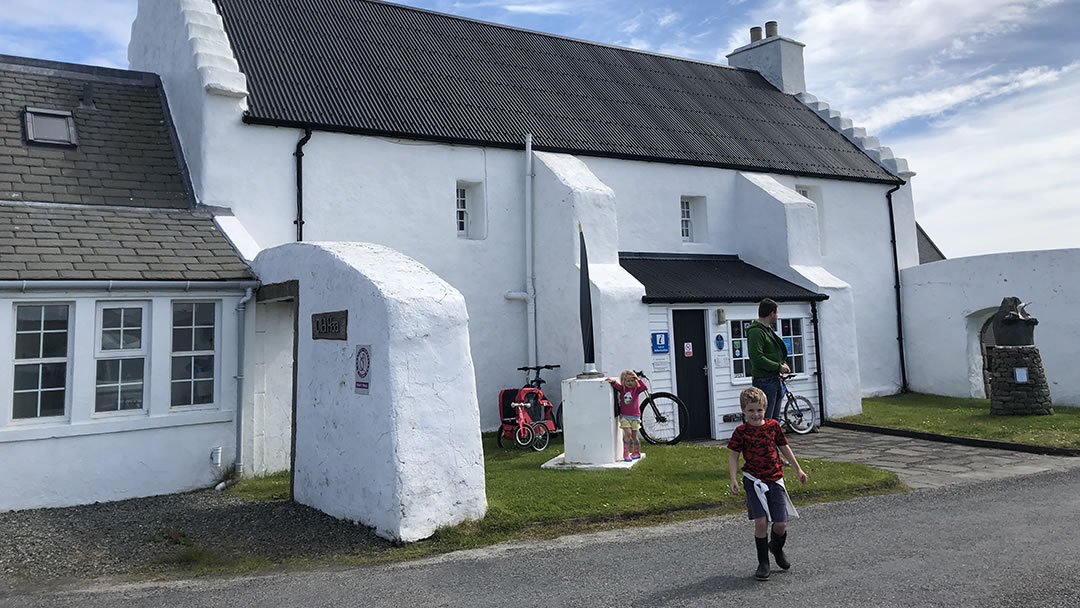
52, 127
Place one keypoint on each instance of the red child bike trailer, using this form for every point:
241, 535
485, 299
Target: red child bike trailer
528, 418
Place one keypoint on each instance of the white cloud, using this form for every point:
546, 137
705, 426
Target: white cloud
541, 8
110, 19
667, 18
1001, 176
934, 102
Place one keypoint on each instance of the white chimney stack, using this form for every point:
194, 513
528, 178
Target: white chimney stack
778, 59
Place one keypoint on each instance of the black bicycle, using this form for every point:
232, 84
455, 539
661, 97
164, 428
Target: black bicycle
798, 413
663, 416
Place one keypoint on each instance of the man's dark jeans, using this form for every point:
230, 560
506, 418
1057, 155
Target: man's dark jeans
773, 391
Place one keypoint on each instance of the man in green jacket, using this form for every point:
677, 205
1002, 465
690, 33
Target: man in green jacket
768, 356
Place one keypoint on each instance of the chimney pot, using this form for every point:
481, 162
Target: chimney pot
770, 29
755, 34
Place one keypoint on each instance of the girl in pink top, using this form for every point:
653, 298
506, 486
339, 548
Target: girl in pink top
629, 387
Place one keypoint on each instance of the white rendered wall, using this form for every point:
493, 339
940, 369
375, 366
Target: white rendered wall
86, 456
405, 458
947, 302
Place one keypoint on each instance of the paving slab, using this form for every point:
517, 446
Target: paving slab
921, 464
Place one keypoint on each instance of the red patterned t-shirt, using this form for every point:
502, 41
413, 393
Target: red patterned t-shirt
758, 446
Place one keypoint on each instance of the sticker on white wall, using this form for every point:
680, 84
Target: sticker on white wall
363, 369
661, 365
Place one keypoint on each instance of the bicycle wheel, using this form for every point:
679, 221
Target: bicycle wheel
663, 418
799, 414
499, 436
558, 418
523, 436
541, 437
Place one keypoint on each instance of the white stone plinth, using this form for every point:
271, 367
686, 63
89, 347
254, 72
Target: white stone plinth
590, 432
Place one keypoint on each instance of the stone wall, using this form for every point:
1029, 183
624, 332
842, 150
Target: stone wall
1010, 395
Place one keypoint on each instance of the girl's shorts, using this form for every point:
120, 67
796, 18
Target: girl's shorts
629, 423
775, 497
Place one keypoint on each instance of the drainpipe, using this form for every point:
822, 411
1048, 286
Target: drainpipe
529, 295
817, 357
896, 272
241, 309
299, 154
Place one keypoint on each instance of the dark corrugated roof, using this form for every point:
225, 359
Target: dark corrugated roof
371, 67
125, 155
50, 241
677, 278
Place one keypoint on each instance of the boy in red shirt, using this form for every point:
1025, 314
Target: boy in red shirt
763, 477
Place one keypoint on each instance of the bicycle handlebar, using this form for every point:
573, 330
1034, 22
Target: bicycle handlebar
528, 368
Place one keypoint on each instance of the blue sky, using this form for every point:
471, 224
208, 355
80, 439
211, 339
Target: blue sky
980, 96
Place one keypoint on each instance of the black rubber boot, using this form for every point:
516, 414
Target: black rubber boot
777, 548
762, 573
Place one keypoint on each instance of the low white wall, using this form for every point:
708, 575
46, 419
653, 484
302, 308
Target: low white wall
406, 457
111, 466
947, 302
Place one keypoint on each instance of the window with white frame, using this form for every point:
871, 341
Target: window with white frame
41, 361
470, 210
194, 327
121, 356
686, 220
790, 331
740, 356
462, 213
693, 227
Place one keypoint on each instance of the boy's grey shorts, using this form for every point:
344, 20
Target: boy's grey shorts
775, 497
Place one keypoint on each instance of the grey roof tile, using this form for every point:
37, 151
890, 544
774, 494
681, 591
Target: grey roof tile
126, 155
107, 253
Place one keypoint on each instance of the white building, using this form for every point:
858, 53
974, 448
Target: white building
388, 124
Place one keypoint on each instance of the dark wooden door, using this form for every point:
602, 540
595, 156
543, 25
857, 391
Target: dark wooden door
692, 369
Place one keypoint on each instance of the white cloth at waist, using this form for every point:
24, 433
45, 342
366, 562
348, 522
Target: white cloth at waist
760, 488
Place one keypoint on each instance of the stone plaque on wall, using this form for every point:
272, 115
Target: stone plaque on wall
330, 325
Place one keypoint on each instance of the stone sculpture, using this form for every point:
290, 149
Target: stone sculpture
1017, 381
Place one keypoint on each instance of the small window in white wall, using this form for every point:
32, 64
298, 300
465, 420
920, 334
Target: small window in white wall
813, 193
194, 328
470, 217
121, 356
41, 361
692, 220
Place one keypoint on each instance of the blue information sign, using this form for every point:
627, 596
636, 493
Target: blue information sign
659, 342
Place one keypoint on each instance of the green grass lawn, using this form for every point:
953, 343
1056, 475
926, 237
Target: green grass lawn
970, 418
678, 482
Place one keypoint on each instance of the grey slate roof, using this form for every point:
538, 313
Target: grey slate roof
684, 278
125, 154
118, 205
50, 241
928, 250
370, 67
